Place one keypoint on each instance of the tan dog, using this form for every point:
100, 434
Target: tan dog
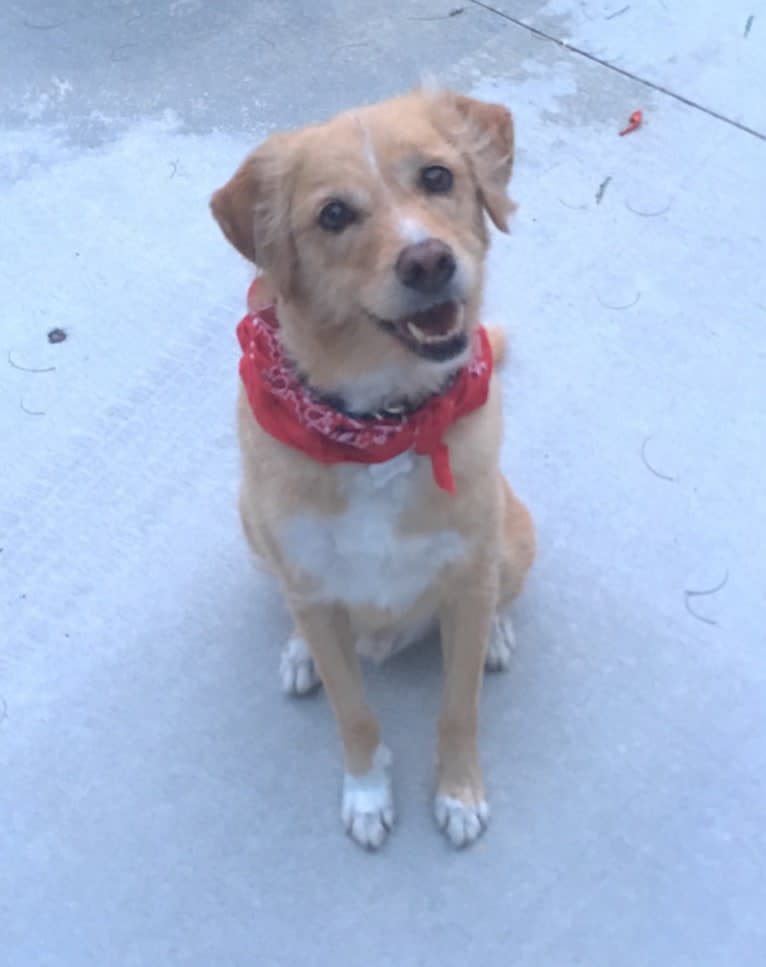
371, 234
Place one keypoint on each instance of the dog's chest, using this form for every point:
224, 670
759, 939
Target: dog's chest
362, 557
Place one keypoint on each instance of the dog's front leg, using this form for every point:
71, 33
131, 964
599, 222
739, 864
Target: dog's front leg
461, 808
367, 808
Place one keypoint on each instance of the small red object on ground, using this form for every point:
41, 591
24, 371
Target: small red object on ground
634, 121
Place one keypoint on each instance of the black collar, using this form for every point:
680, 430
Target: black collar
392, 411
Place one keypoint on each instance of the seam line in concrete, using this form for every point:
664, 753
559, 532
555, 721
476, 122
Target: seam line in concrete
620, 70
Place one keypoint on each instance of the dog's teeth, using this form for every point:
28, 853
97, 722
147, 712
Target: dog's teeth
423, 337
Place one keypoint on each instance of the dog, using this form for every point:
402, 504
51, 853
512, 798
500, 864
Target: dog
370, 420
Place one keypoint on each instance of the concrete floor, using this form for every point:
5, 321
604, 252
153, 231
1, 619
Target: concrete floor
161, 804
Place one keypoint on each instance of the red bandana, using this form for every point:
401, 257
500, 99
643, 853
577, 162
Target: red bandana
286, 409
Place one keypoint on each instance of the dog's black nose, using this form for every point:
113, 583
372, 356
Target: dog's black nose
426, 266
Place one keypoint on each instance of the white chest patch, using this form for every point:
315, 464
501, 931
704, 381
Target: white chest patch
360, 557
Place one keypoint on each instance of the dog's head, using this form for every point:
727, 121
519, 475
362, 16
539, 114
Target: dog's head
372, 229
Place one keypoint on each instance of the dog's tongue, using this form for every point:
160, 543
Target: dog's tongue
436, 321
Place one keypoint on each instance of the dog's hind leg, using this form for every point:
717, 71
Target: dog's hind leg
517, 555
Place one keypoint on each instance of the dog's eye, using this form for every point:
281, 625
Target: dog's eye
336, 215
436, 179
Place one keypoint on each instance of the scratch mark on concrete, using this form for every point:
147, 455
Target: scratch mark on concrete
649, 467
628, 305
602, 188
689, 594
29, 369
644, 214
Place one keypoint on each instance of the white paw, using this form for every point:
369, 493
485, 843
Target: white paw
460, 822
368, 804
502, 641
296, 668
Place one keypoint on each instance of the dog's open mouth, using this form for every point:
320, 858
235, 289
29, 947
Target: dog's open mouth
436, 333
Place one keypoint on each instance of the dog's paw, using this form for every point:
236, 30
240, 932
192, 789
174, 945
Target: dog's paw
461, 822
296, 668
368, 805
502, 641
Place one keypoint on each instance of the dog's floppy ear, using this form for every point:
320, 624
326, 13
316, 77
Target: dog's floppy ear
484, 132
233, 207
252, 210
